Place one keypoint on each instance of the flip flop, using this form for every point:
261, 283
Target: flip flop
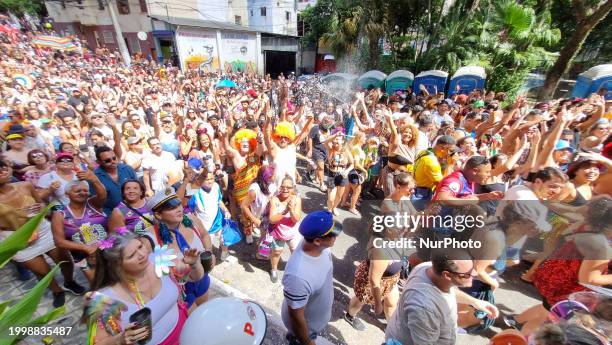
522, 277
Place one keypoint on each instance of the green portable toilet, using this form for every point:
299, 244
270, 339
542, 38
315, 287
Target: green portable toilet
399, 80
372, 78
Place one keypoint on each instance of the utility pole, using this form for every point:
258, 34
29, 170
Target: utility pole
120, 41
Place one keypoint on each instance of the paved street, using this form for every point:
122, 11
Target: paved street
250, 277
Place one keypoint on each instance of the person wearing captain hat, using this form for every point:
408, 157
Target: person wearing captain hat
180, 232
308, 279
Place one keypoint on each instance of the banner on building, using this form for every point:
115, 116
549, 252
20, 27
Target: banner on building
239, 52
198, 50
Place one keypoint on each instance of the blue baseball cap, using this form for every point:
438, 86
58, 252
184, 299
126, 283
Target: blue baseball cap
319, 224
563, 145
195, 163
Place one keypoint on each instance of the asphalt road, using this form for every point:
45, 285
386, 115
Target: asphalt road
251, 276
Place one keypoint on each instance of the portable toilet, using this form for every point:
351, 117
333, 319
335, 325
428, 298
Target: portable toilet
398, 80
371, 78
339, 78
468, 78
434, 81
592, 80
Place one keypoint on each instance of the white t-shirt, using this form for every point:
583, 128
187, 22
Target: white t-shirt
520, 192
60, 194
205, 205
158, 167
308, 282
261, 200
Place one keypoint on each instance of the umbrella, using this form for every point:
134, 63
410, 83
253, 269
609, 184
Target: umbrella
225, 83
53, 42
24, 80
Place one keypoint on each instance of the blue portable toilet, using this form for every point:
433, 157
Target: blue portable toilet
399, 80
372, 78
592, 80
434, 81
468, 78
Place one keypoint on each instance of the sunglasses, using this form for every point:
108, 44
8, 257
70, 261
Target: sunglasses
65, 160
108, 160
465, 275
37, 155
96, 117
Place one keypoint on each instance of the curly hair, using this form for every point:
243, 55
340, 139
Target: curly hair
598, 213
415, 134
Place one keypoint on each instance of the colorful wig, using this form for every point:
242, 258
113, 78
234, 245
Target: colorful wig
284, 129
242, 134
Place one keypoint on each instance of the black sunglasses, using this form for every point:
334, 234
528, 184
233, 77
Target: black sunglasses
465, 275
108, 160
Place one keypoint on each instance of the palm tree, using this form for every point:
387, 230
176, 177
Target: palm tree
361, 24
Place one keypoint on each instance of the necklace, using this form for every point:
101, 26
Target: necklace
135, 294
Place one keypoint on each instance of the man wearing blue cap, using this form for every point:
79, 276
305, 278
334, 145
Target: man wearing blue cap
308, 280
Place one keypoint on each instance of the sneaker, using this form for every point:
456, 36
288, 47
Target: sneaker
355, 322
74, 287
274, 276
323, 188
249, 239
59, 299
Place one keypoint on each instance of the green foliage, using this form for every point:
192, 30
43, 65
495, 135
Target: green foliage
19, 239
20, 7
20, 313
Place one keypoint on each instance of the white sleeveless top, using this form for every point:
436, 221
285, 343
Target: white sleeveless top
164, 309
284, 164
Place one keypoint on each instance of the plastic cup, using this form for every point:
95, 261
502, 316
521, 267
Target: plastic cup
206, 260
143, 318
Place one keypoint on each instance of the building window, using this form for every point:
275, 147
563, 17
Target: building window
238, 20
107, 37
262, 11
101, 5
136, 46
251, 13
288, 15
123, 6
143, 6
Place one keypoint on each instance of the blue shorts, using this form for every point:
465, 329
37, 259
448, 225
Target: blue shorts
193, 290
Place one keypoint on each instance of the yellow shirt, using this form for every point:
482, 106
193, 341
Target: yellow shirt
427, 170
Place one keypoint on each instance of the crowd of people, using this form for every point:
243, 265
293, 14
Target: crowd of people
133, 159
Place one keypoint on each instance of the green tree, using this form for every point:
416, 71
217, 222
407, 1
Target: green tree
20, 7
587, 14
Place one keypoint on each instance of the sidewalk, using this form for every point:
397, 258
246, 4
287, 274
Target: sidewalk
11, 288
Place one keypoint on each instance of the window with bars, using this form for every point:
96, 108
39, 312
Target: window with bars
262, 11
107, 37
123, 6
238, 20
288, 15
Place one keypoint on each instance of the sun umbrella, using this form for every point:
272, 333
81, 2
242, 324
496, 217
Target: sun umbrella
226, 83
59, 43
